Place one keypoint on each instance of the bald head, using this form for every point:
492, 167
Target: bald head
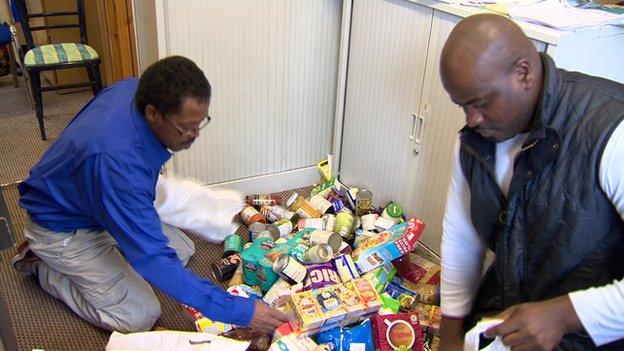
490, 68
483, 45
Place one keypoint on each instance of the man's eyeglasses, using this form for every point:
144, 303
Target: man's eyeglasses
190, 131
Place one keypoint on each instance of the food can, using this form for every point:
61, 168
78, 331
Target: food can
346, 268
344, 224
329, 220
266, 274
325, 237
224, 268
298, 250
320, 253
363, 202
278, 294
316, 223
253, 219
251, 259
237, 278
262, 200
320, 204
301, 206
276, 212
281, 228
232, 244
368, 221
289, 269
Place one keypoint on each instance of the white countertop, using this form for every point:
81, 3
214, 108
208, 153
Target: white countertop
534, 31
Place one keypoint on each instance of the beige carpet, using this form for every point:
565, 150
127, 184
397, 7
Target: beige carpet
20, 143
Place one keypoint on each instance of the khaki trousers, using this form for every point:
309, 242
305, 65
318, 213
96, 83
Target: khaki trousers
87, 272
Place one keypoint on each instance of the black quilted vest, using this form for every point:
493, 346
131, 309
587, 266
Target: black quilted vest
556, 231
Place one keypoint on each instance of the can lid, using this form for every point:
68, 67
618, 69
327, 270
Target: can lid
394, 210
291, 199
363, 194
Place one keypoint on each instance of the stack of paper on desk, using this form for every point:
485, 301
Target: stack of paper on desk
559, 14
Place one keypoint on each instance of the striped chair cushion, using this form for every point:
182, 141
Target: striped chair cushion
53, 54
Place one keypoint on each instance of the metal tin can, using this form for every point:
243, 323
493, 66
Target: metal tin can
346, 268
278, 293
320, 253
276, 212
363, 201
253, 219
266, 274
289, 269
316, 223
301, 206
281, 228
298, 250
344, 224
232, 244
251, 259
225, 267
320, 204
329, 220
237, 278
368, 221
262, 200
325, 237
266, 234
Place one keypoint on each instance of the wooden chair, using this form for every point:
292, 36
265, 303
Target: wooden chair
57, 56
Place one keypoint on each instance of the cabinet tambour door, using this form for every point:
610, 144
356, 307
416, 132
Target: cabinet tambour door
442, 119
387, 55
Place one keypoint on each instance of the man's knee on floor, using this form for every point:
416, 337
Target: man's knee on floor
140, 319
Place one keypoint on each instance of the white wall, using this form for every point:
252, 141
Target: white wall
273, 67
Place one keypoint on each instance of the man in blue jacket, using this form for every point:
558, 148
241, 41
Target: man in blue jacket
94, 239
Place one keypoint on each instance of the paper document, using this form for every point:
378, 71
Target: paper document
560, 15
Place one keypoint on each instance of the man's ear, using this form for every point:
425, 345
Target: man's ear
151, 113
523, 72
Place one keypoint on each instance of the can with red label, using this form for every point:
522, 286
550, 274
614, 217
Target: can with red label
253, 219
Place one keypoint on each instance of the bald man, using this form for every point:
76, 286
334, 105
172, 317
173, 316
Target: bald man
539, 181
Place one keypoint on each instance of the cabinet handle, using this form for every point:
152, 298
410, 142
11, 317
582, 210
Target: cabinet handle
417, 129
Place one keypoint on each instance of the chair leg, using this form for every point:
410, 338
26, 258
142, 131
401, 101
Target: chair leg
35, 81
93, 70
13, 65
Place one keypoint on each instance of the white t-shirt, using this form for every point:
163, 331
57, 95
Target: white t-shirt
600, 309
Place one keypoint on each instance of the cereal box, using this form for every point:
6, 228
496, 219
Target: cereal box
399, 331
330, 305
306, 313
351, 302
387, 246
370, 297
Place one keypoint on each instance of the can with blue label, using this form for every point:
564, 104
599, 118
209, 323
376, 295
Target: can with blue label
232, 244
266, 275
251, 259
